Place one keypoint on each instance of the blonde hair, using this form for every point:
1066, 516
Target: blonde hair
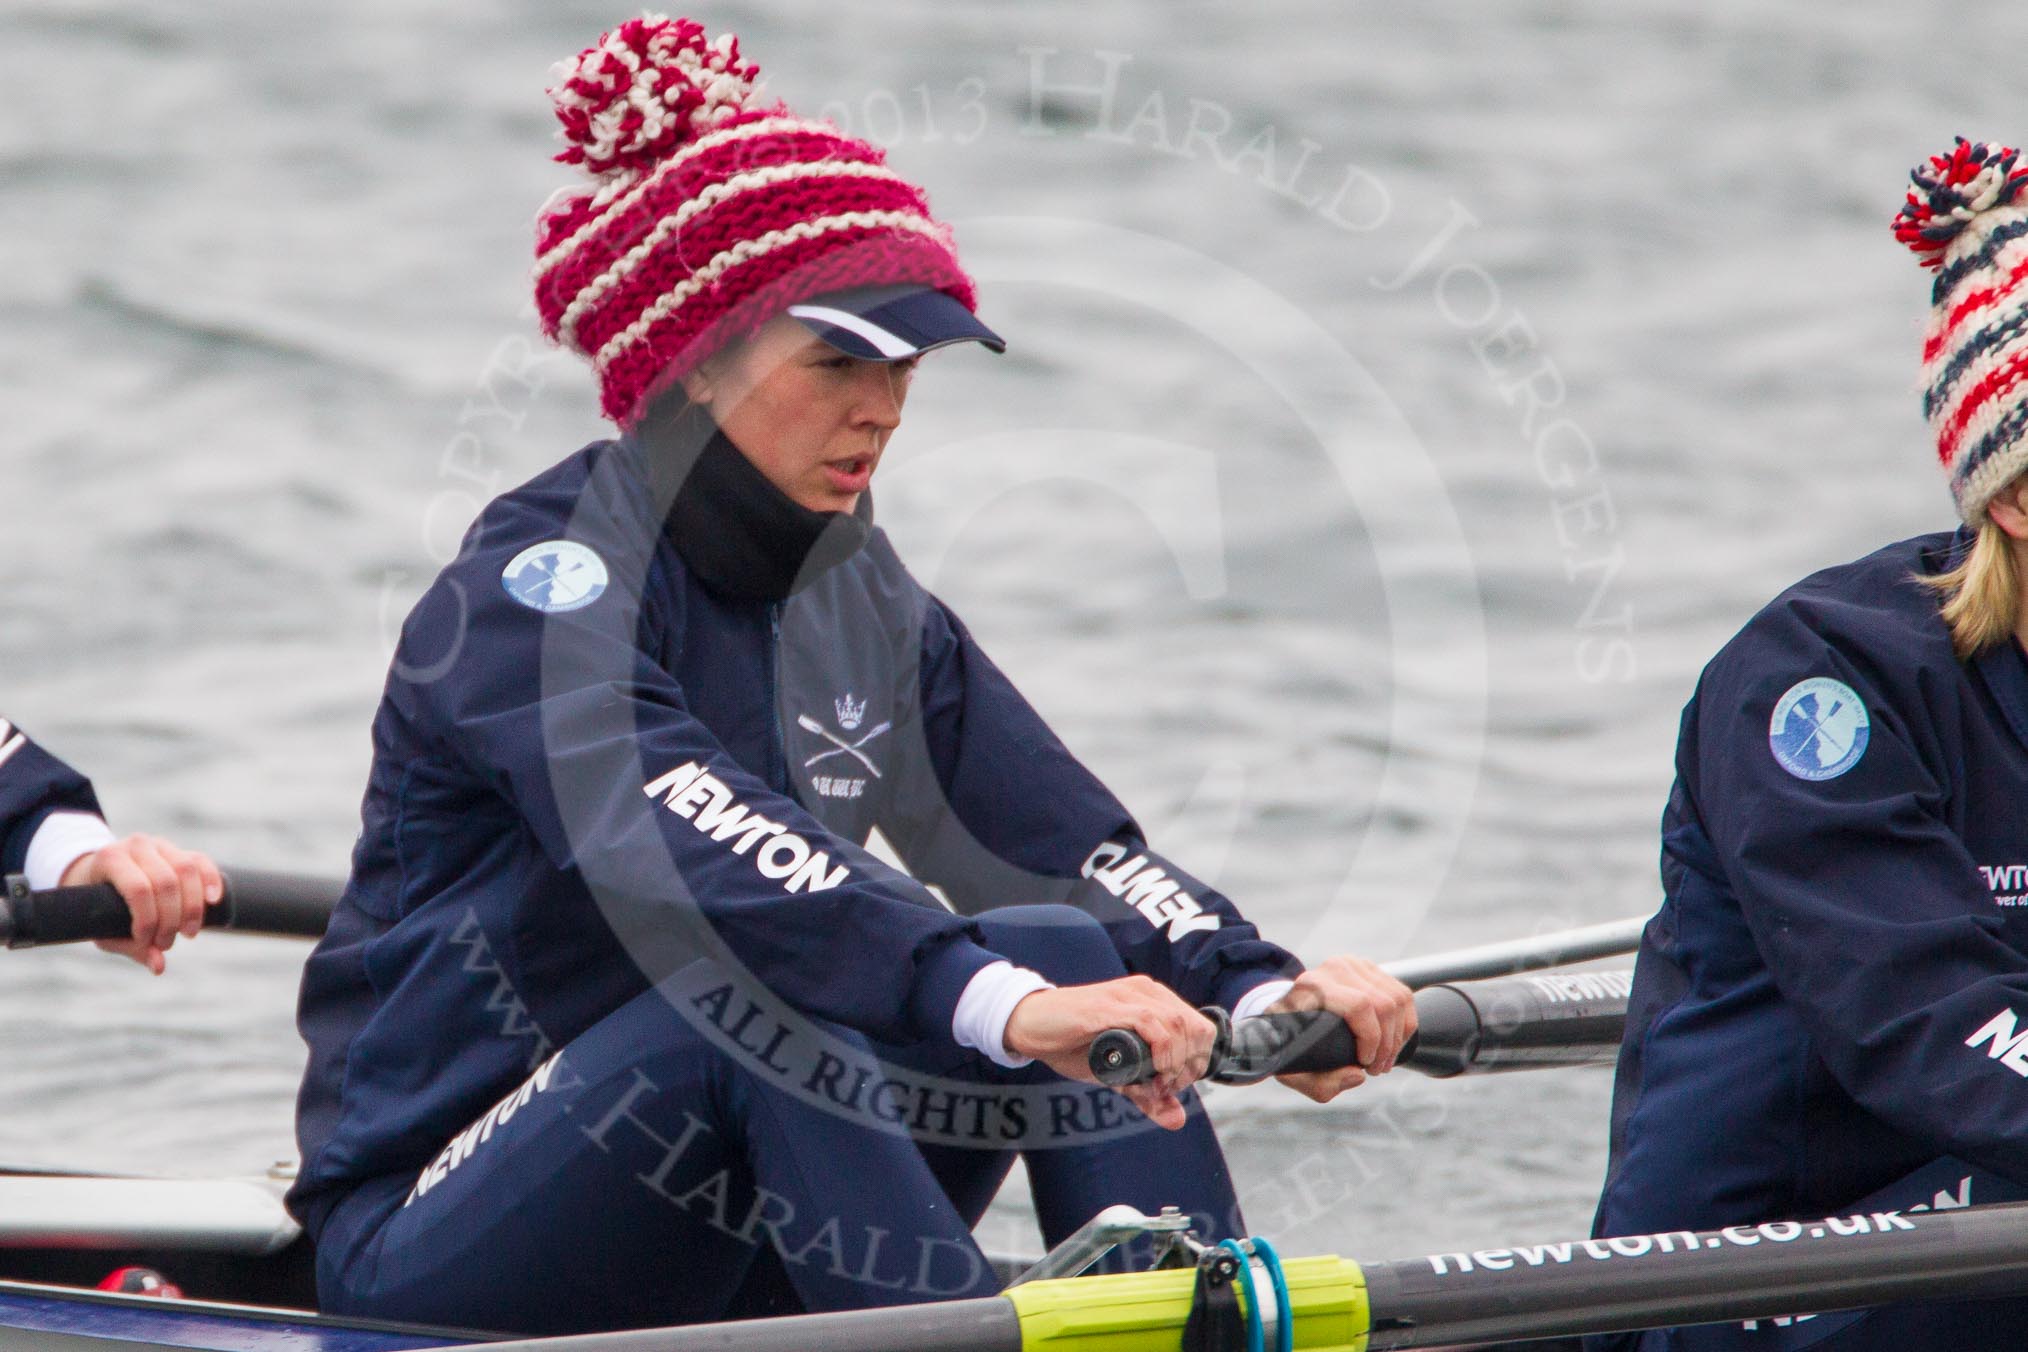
1982, 595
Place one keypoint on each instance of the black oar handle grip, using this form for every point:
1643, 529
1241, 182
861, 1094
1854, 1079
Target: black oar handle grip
1121, 1056
1243, 1052
1289, 1043
254, 902
65, 915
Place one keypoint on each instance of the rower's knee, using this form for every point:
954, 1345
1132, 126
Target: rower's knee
1065, 944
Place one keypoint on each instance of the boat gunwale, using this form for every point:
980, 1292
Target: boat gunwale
269, 1314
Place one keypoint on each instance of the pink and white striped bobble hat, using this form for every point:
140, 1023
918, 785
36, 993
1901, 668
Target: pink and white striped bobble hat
712, 210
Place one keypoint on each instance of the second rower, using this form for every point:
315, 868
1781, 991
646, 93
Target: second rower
612, 880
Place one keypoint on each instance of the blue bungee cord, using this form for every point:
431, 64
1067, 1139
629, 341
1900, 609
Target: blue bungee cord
1285, 1324
1256, 1338
1285, 1313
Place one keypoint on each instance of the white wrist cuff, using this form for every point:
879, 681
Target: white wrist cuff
1259, 998
58, 843
980, 1020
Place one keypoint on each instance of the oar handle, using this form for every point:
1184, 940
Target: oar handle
1252, 1049
1519, 1023
255, 902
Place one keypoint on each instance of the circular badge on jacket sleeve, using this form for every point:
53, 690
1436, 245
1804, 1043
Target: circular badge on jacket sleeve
1819, 728
554, 576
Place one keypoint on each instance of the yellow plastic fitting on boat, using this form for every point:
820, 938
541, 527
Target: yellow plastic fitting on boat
1145, 1311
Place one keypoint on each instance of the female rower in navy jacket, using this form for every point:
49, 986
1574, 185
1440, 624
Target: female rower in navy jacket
618, 1022
52, 834
1830, 1013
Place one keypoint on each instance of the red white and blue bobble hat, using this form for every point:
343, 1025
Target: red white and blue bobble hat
892, 323
1967, 217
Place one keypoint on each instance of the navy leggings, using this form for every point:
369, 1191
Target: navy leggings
651, 1174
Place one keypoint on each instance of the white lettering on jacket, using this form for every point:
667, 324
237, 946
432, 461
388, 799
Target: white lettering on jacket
1142, 885
2007, 882
10, 741
2009, 1048
702, 798
471, 1138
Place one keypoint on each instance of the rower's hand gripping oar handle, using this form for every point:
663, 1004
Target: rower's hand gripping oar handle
1517, 1023
255, 902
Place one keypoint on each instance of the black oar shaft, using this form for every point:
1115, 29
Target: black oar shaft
987, 1325
1519, 1023
1661, 1281
285, 904
256, 902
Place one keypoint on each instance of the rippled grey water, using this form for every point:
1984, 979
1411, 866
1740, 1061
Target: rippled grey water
1404, 402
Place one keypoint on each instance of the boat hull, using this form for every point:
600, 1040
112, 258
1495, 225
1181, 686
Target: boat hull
38, 1317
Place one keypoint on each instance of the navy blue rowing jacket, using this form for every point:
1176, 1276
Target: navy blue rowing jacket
579, 740
33, 784
1834, 994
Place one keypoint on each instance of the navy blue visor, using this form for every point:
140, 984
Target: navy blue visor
892, 323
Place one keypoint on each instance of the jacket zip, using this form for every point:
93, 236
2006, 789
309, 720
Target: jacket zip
778, 756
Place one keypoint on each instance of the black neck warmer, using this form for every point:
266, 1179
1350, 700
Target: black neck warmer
743, 537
